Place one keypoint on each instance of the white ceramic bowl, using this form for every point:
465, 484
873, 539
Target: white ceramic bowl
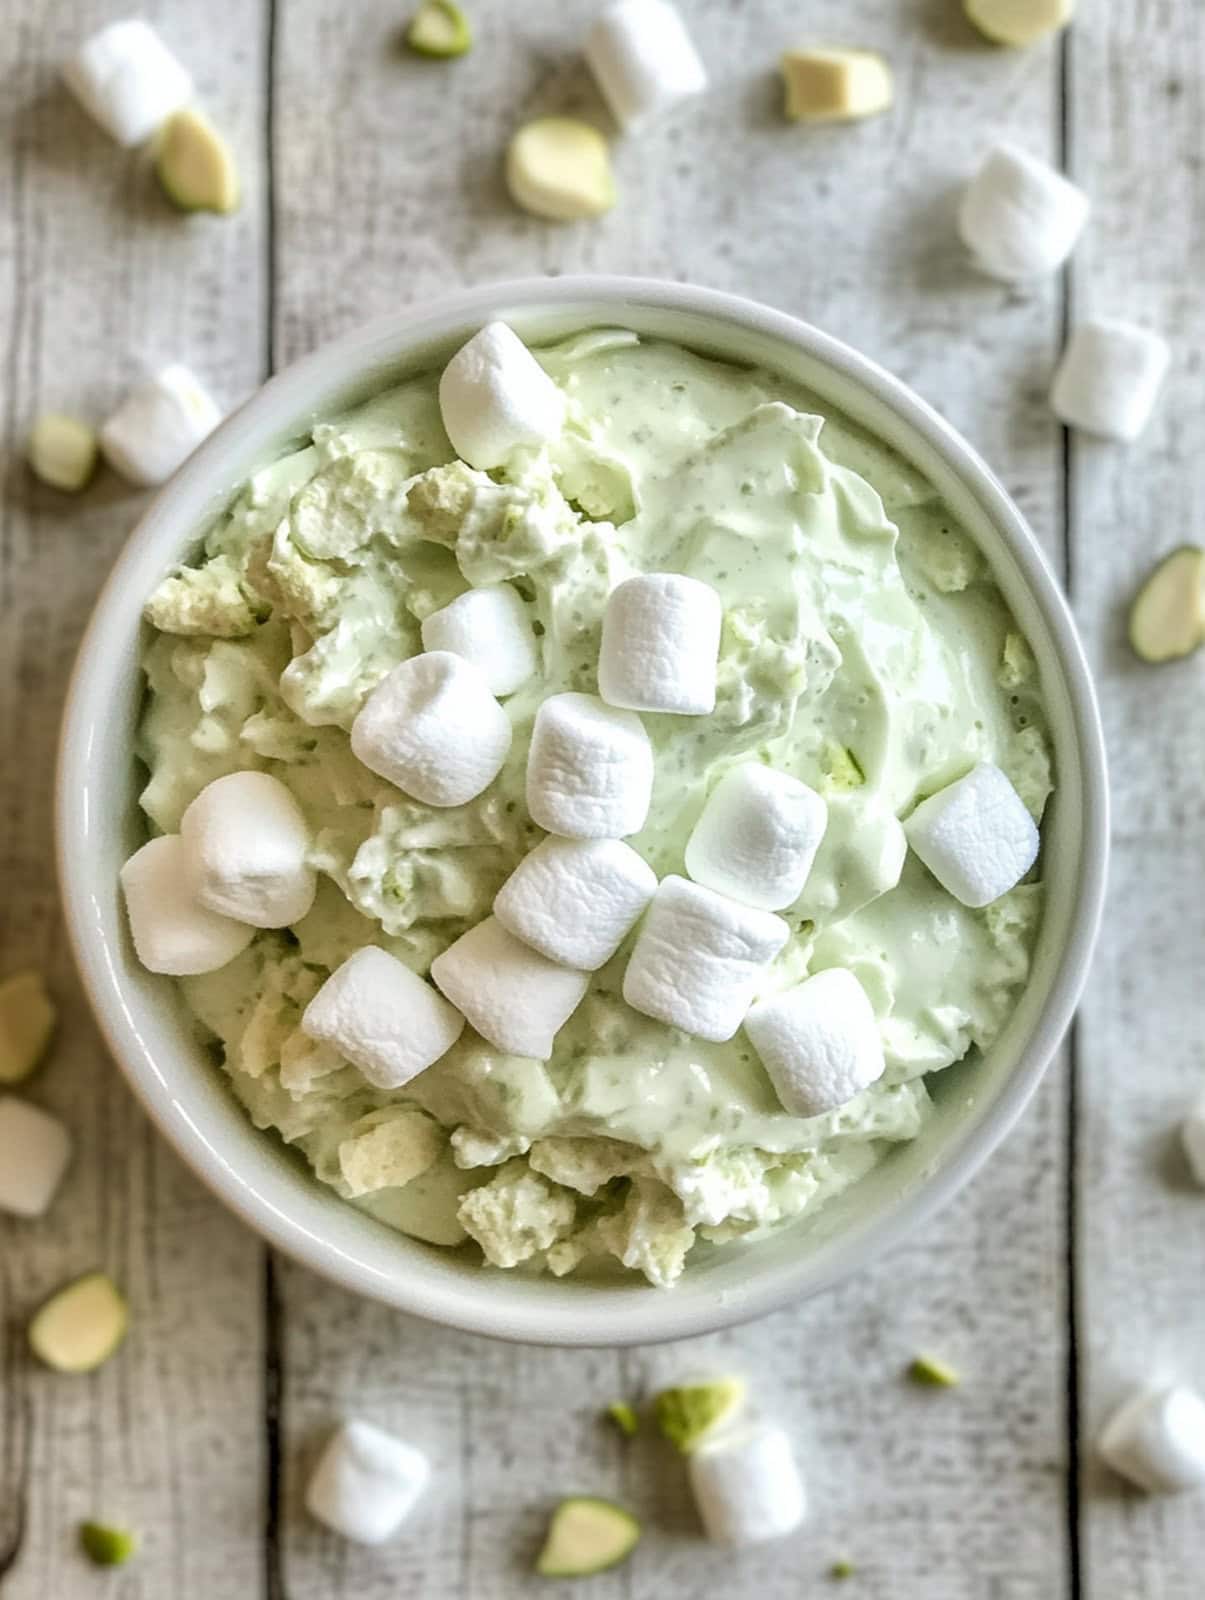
98, 826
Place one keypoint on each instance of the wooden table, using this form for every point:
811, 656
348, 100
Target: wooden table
1074, 1263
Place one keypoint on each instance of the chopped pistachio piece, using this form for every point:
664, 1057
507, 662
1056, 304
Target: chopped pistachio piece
835, 85
62, 451
81, 1326
624, 1417
1167, 619
842, 1568
586, 1536
107, 1547
688, 1413
1019, 21
439, 28
842, 768
933, 1372
560, 168
27, 1018
194, 164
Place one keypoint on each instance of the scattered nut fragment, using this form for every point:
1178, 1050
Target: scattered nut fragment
624, 1417
933, 1373
1192, 1136
27, 1018
690, 1412
63, 451
1167, 619
587, 1535
105, 1546
439, 29
81, 1326
1019, 21
560, 168
194, 164
835, 85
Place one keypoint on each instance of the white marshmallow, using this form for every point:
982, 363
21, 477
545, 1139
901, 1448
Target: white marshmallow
746, 1485
433, 728
643, 59
1193, 1136
576, 900
491, 628
1019, 217
495, 396
366, 1483
757, 836
1157, 1440
660, 644
172, 933
975, 836
698, 958
127, 79
589, 769
515, 998
34, 1151
819, 1042
1109, 378
382, 1016
158, 426
247, 839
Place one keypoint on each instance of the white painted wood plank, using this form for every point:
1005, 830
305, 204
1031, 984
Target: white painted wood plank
98, 275
389, 190
1138, 82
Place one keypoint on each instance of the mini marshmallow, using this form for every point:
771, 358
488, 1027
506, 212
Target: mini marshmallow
698, 958
757, 836
34, 1151
172, 933
1019, 217
495, 396
819, 1042
1192, 1134
660, 644
127, 79
433, 728
515, 998
643, 59
975, 836
383, 1017
589, 769
247, 839
747, 1486
366, 1483
576, 900
1109, 378
158, 426
1157, 1440
491, 628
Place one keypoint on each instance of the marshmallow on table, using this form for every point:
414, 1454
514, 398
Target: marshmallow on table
247, 839
746, 1485
589, 769
576, 900
172, 932
1193, 1136
366, 1483
757, 836
1109, 378
494, 396
515, 998
1019, 217
698, 958
491, 628
1157, 1440
433, 728
34, 1151
643, 59
975, 836
158, 426
819, 1042
383, 1017
660, 643
127, 79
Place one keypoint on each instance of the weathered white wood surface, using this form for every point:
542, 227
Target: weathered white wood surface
382, 185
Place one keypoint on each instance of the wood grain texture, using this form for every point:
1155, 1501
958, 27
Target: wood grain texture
1137, 102
99, 277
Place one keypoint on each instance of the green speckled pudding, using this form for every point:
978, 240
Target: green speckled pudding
865, 650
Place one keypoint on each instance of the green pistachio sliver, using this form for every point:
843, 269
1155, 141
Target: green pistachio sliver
439, 29
624, 1417
106, 1546
934, 1373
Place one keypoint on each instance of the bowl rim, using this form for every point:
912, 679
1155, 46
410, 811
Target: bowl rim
657, 1317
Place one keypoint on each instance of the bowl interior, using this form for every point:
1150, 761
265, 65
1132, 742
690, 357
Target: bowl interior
145, 1022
